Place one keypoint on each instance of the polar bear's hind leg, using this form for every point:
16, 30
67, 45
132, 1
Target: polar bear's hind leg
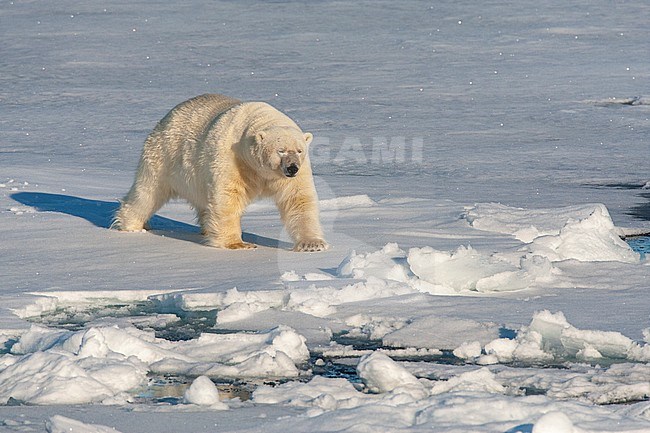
148, 194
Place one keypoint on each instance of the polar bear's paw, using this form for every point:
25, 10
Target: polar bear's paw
241, 246
229, 244
311, 246
129, 228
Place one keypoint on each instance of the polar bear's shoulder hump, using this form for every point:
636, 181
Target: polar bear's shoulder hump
217, 102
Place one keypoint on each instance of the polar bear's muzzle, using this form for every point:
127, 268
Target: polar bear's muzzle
291, 170
290, 165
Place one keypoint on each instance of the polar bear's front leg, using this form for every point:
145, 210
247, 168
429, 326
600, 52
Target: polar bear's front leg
221, 222
299, 212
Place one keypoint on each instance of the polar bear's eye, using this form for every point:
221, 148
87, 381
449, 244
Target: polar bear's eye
299, 151
282, 152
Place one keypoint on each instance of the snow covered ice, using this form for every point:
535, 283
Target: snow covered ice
478, 167
203, 392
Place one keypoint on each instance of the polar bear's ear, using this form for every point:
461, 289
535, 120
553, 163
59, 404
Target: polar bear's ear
259, 138
308, 137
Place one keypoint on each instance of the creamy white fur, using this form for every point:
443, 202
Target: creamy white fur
220, 154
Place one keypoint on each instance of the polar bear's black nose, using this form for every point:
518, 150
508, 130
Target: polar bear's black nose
292, 170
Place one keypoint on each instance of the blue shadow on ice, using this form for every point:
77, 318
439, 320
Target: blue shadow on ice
524, 428
100, 213
97, 212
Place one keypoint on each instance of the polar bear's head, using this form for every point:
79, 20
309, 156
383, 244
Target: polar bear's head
282, 150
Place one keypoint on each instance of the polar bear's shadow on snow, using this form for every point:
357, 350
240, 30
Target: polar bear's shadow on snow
101, 213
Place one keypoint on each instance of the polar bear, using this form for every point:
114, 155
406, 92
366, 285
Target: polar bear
220, 154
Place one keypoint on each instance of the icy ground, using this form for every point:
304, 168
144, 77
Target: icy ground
478, 166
